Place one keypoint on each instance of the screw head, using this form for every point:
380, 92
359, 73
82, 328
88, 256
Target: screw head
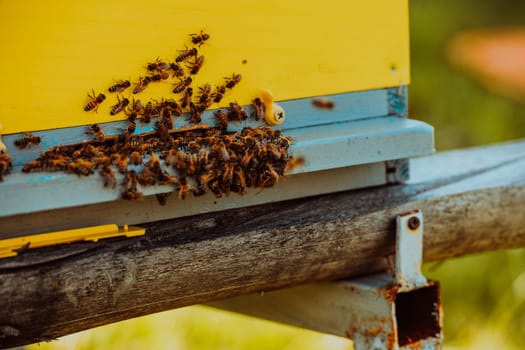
413, 223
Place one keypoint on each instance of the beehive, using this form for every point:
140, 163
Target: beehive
355, 55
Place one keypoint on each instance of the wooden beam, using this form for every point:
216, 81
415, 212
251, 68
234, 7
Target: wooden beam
473, 201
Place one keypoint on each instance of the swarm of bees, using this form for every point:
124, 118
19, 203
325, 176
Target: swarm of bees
193, 159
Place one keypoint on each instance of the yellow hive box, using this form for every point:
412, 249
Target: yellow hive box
55, 52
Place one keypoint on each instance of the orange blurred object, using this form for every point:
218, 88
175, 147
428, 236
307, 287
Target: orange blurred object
495, 57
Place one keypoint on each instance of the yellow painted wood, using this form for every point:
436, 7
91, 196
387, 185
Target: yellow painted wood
55, 52
10, 246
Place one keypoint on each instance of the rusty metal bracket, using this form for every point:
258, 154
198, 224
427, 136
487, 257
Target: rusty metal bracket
380, 311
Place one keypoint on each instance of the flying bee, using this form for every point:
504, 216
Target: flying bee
236, 112
119, 107
158, 65
199, 39
186, 99
119, 86
108, 176
178, 71
219, 93
257, 109
183, 84
221, 120
185, 54
96, 131
233, 80
27, 141
94, 101
196, 66
135, 110
141, 85
204, 93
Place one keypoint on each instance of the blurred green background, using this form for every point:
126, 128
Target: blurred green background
483, 295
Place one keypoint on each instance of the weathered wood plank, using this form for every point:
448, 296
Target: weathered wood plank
473, 201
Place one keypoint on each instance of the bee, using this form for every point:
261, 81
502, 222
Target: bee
293, 163
121, 162
96, 131
94, 101
236, 112
159, 76
135, 110
119, 86
158, 65
6, 164
239, 181
102, 161
178, 71
257, 109
81, 167
166, 118
219, 93
185, 54
204, 93
172, 106
141, 85
183, 191
148, 112
186, 99
34, 165
199, 39
121, 104
27, 141
183, 84
323, 103
222, 120
220, 151
108, 176
132, 126
196, 66
135, 158
195, 113
131, 191
233, 80
162, 130
162, 198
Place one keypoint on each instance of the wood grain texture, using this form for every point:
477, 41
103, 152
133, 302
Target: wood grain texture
472, 200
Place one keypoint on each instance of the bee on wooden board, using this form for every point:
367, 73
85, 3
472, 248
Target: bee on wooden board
221, 119
94, 101
108, 177
162, 198
196, 66
200, 38
233, 80
323, 103
119, 107
141, 84
6, 164
27, 141
183, 84
119, 86
185, 54
96, 131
